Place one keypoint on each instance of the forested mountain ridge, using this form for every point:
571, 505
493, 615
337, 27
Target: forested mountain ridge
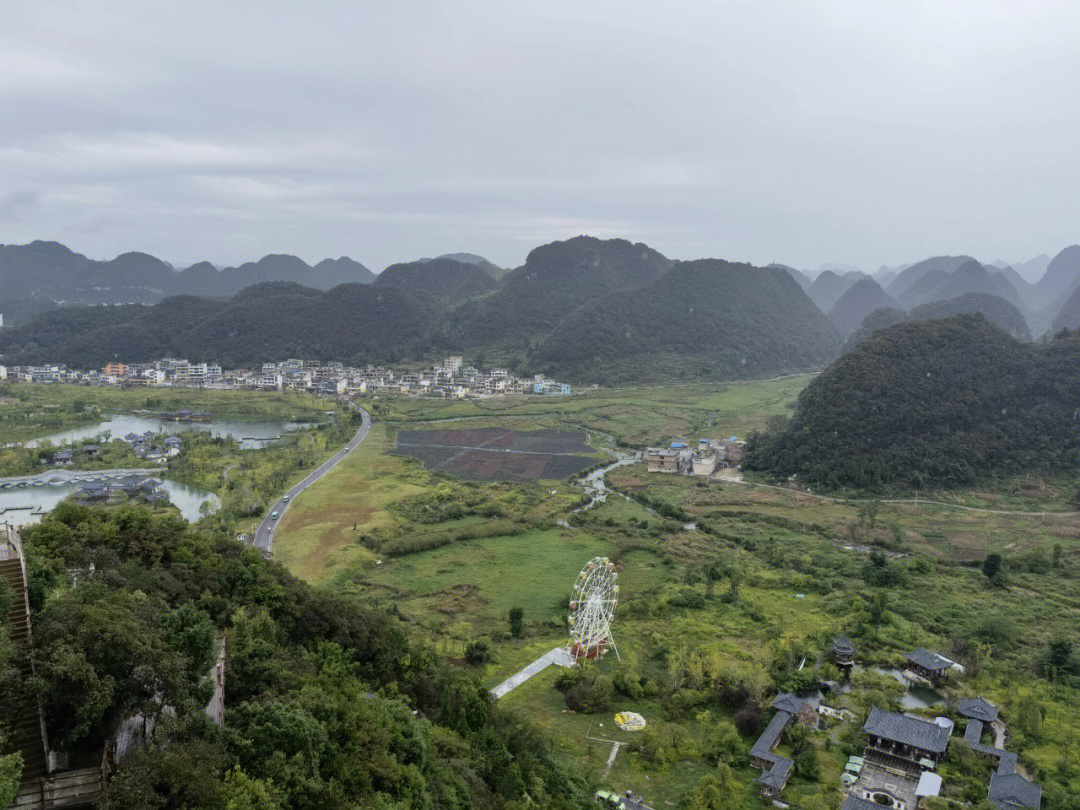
555, 280
706, 318
50, 271
448, 281
940, 402
328, 702
351, 322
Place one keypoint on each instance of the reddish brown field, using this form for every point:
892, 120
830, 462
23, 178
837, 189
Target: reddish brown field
497, 453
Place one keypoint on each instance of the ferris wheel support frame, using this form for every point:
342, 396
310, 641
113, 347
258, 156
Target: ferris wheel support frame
601, 637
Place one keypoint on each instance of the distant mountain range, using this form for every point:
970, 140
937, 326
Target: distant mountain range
1044, 291
359, 322
584, 309
997, 310
47, 273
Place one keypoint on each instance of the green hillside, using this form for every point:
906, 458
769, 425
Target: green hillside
941, 402
701, 319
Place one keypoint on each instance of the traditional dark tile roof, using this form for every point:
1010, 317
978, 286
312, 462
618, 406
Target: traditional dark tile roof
770, 735
978, 708
900, 728
973, 732
843, 644
1006, 762
929, 660
777, 776
1013, 791
787, 702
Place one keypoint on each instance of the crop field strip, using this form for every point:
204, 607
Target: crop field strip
498, 453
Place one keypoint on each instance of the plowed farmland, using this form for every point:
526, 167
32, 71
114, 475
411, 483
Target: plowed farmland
498, 453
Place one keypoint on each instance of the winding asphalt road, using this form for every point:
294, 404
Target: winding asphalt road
264, 536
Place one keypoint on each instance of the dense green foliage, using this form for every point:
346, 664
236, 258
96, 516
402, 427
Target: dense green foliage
700, 319
352, 322
934, 402
328, 703
448, 281
555, 280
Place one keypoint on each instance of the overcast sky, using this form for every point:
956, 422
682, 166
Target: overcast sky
833, 131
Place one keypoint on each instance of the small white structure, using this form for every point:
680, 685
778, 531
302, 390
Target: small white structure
929, 785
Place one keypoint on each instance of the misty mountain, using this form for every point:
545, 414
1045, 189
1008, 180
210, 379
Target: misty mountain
884, 276
800, 277
908, 277
1003, 314
839, 268
938, 402
1030, 271
937, 284
492, 270
50, 272
1061, 278
705, 318
860, 299
448, 281
827, 288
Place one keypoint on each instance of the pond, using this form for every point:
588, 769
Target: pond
250, 435
915, 696
27, 504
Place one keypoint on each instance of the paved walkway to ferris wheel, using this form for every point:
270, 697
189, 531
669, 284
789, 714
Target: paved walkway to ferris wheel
560, 657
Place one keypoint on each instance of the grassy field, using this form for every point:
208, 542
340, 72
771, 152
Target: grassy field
317, 536
634, 416
720, 600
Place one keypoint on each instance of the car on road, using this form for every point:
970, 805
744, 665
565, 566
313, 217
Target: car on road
284, 497
273, 515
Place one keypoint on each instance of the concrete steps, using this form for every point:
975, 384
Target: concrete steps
26, 731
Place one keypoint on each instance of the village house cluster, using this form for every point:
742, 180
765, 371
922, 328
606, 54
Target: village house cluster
898, 766
449, 378
148, 446
140, 487
703, 458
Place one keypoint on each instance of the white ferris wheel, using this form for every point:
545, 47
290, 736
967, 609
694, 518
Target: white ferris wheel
592, 607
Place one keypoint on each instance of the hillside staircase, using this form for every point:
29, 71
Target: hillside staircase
26, 736
39, 789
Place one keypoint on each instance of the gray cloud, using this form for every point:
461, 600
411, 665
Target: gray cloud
799, 132
15, 203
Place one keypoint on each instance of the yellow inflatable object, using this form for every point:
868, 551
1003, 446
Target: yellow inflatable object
630, 721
